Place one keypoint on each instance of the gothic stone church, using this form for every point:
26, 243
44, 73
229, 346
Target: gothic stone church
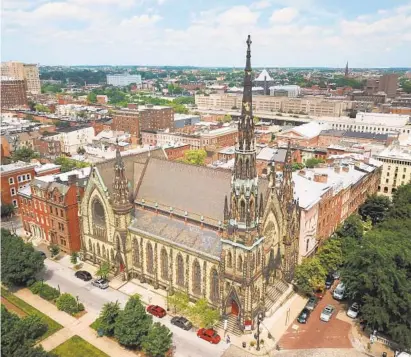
228, 237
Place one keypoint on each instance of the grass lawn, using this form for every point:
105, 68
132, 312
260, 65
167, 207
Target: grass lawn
96, 324
75, 347
53, 326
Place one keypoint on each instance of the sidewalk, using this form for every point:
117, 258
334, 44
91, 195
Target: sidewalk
72, 326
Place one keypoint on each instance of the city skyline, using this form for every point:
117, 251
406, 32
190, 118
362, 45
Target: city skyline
285, 33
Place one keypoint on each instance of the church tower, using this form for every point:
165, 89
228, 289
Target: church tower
242, 254
346, 71
122, 208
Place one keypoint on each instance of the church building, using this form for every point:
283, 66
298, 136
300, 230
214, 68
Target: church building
229, 237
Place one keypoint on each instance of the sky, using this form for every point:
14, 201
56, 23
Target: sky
285, 33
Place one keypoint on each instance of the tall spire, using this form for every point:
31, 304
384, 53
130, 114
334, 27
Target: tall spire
346, 70
287, 189
120, 199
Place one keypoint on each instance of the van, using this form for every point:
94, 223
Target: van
339, 291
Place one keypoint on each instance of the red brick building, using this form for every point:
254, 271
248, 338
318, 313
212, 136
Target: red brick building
147, 117
13, 93
49, 209
48, 148
176, 151
19, 174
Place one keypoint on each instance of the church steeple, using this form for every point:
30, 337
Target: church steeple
346, 70
243, 215
287, 189
120, 199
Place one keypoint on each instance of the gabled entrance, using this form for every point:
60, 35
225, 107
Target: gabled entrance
235, 310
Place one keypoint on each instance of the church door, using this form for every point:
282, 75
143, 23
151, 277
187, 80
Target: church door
234, 308
121, 267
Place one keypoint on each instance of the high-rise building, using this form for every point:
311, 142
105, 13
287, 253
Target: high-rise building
389, 84
121, 80
13, 93
23, 71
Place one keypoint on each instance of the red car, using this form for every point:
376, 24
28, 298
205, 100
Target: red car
156, 310
209, 335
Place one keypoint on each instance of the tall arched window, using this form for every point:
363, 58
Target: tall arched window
136, 252
214, 288
90, 246
252, 209
240, 263
112, 255
229, 260
164, 264
242, 211
196, 277
149, 258
104, 252
180, 270
98, 249
252, 262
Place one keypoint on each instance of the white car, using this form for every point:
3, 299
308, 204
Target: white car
353, 310
327, 313
339, 291
100, 283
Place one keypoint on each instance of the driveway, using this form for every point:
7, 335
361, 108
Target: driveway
318, 334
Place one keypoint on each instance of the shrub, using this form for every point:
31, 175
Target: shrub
46, 291
67, 303
36, 287
49, 293
80, 307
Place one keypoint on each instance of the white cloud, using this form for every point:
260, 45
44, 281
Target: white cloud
238, 15
140, 21
263, 4
284, 15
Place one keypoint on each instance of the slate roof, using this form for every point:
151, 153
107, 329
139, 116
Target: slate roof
194, 238
197, 190
354, 134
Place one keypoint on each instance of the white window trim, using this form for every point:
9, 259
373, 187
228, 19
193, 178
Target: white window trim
13, 190
15, 203
11, 180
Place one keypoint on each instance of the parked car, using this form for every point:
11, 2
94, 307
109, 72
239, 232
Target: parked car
182, 322
100, 283
336, 275
209, 335
327, 313
303, 316
83, 275
319, 293
339, 291
329, 281
156, 310
311, 303
353, 310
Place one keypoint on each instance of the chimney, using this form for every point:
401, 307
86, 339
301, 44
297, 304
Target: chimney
346, 168
72, 179
337, 169
323, 178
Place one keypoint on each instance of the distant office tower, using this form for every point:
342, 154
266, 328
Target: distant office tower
121, 80
23, 71
389, 84
346, 70
13, 92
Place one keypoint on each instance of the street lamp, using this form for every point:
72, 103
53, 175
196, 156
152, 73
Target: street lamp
259, 319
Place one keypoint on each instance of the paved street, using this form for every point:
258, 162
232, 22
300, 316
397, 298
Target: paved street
187, 343
318, 334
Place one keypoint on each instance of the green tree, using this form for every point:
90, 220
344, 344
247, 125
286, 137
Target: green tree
41, 108
297, 166
69, 164
104, 270
108, 317
203, 315
375, 207
401, 203
310, 275
19, 261
92, 97
313, 162
54, 250
330, 255
180, 301
67, 303
352, 227
132, 324
24, 154
195, 157
74, 258
7, 210
158, 340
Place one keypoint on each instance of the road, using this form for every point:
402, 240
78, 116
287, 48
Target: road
187, 343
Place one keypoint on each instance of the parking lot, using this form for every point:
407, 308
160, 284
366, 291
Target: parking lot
318, 334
